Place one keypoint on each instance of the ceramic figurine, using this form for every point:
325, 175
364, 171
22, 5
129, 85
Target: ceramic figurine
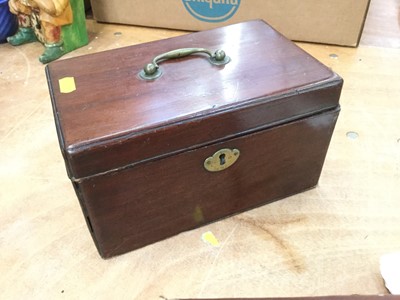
58, 24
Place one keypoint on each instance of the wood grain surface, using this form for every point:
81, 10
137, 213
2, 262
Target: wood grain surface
114, 118
273, 101
155, 200
326, 241
382, 26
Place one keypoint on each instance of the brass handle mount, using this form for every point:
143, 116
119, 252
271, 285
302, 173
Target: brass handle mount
152, 70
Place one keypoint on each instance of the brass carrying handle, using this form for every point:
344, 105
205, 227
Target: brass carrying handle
152, 71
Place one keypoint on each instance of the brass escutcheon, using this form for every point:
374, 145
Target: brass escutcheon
221, 160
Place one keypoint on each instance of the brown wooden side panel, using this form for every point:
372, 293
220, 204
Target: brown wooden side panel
152, 201
168, 139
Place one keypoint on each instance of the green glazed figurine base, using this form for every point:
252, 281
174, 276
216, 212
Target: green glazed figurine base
52, 52
24, 35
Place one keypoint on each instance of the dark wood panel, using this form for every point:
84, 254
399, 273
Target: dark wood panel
155, 200
111, 104
201, 130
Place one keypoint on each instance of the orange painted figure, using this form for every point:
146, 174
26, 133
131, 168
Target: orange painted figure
41, 20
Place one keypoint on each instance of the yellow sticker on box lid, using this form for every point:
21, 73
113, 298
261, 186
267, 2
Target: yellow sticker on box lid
67, 85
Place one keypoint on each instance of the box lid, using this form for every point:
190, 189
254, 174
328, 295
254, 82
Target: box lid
111, 118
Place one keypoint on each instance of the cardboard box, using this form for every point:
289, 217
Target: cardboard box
337, 22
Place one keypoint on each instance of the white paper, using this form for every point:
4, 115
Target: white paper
390, 270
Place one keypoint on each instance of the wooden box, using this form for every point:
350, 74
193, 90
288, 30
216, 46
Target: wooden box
209, 138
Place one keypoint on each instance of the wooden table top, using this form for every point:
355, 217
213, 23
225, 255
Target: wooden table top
326, 241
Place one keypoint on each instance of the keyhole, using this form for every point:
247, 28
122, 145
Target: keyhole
222, 159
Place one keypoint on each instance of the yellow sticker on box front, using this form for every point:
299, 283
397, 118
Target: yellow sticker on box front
67, 85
